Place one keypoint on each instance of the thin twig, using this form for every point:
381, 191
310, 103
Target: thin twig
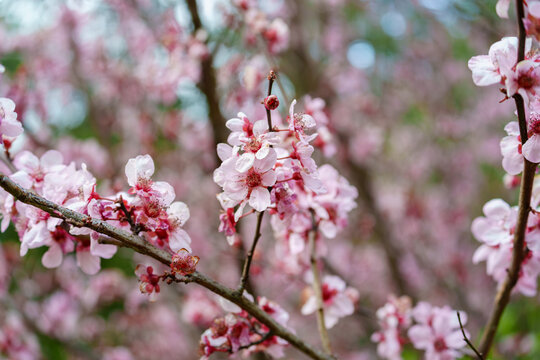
317, 289
249, 257
503, 295
265, 337
271, 77
471, 345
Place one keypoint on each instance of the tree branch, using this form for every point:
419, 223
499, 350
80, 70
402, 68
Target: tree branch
208, 83
141, 246
503, 295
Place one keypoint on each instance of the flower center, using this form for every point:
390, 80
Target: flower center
327, 293
253, 179
253, 145
440, 345
526, 81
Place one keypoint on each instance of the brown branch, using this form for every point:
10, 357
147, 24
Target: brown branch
382, 228
208, 83
317, 289
502, 297
471, 345
247, 263
141, 246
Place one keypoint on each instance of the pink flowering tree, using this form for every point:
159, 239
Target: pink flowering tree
251, 179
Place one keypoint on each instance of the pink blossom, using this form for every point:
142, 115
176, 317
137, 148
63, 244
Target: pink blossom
496, 233
9, 126
511, 149
251, 184
277, 36
438, 332
139, 171
394, 318
37, 168
336, 302
531, 148
183, 263
299, 123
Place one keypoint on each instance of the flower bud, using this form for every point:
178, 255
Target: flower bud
271, 102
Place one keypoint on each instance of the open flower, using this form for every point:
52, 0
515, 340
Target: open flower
9, 126
511, 149
437, 332
336, 301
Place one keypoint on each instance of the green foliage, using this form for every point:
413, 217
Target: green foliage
415, 115
51, 349
11, 61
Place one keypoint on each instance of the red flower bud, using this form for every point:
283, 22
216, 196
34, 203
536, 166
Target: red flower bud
271, 102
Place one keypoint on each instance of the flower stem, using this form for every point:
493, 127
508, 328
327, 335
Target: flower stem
317, 289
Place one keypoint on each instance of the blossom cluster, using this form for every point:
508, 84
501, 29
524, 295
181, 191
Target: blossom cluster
147, 208
275, 33
238, 331
272, 169
495, 230
435, 330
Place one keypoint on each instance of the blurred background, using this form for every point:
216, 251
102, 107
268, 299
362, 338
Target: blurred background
387, 81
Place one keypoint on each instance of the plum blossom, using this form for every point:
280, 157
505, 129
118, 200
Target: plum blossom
139, 171
500, 67
237, 331
277, 36
9, 126
183, 263
51, 161
253, 139
299, 123
16, 340
492, 68
394, 319
337, 301
496, 232
437, 332
511, 149
251, 184
531, 148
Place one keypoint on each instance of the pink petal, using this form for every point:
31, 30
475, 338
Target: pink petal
179, 239
88, 263
502, 8
245, 162
484, 73
531, 149
53, 257
259, 198
51, 158
269, 178
179, 211
224, 151
140, 167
